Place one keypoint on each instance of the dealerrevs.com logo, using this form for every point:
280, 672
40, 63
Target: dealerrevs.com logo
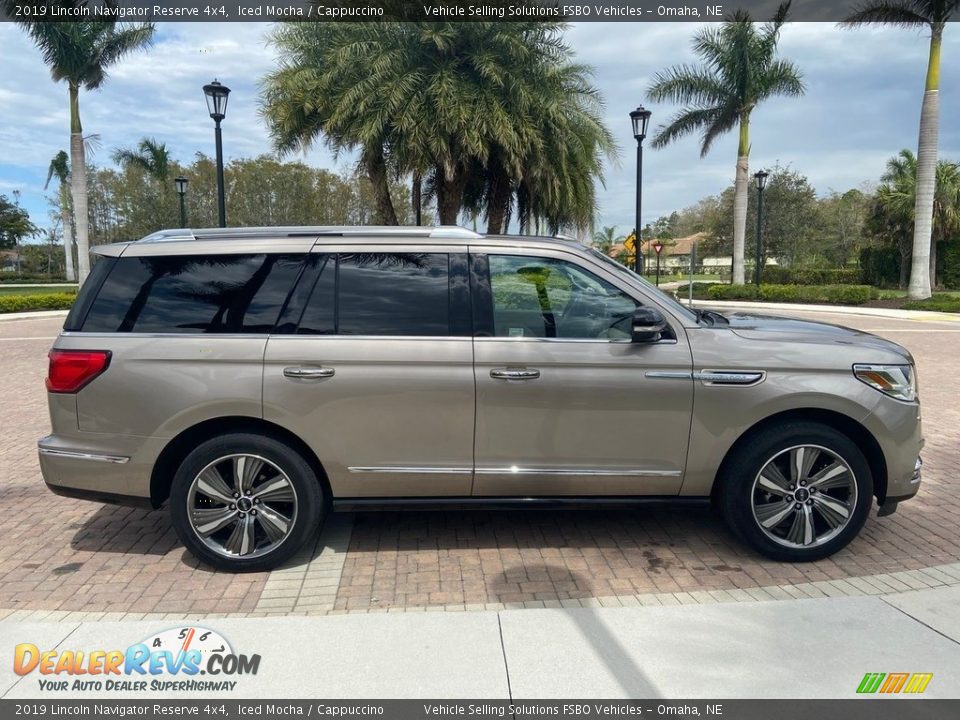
172, 661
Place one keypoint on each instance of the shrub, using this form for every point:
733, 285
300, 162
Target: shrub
700, 290
830, 294
948, 264
38, 278
880, 266
939, 302
812, 276
46, 301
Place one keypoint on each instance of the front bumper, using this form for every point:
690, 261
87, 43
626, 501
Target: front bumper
889, 506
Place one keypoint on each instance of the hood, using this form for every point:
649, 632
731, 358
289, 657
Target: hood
780, 329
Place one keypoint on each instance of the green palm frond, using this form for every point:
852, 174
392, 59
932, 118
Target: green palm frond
59, 168
481, 101
738, 70
900, 13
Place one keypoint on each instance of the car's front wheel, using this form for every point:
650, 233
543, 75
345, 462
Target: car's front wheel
797, 492
244, 502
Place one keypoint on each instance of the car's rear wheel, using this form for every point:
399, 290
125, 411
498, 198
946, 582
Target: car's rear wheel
244, 502
797, 492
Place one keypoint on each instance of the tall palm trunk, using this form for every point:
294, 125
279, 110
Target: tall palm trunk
449, 194
499, 193
78, 185
67, 231
923, 263
377, 172
740, 199
416, 198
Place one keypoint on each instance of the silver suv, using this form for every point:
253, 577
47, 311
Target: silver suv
253, 379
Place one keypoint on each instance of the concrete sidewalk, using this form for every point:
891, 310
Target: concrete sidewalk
793, 649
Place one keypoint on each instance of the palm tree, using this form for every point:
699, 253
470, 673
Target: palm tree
151, 157
932, 14
606, 238
60, 168
740, 69
80, 53
475, 109
898, 196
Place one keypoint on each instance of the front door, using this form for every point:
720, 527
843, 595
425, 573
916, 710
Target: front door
375, 370
566, 403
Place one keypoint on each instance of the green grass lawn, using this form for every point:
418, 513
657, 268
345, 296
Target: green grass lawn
887, 294
34, 290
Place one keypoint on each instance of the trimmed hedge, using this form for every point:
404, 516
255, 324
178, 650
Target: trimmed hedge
38, 278
939, 302
46, 301
774, 275
829, 294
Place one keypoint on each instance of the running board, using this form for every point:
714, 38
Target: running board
510, 503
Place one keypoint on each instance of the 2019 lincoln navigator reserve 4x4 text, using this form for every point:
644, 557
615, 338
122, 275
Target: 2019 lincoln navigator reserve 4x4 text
252, 379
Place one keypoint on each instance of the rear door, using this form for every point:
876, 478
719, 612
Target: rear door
372, 365
566, 403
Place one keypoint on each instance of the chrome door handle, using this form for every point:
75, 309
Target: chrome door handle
515, 373
308, 373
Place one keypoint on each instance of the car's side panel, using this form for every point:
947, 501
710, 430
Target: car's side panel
157, 386
395, 419
595, 421
723, 413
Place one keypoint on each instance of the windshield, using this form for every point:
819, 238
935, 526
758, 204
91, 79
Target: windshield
662, 296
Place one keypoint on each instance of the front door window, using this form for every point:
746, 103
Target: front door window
544, 297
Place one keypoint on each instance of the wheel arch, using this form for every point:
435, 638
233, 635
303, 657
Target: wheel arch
835, 420
180, 446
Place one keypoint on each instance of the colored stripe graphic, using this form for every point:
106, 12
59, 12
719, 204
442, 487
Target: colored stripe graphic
894, 682
918, 682
870, 682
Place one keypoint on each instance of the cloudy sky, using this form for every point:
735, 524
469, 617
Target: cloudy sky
862, 105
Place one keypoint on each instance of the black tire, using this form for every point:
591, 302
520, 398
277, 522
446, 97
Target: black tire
298, 481
738, 491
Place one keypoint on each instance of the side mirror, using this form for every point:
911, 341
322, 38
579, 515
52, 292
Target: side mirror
648, 325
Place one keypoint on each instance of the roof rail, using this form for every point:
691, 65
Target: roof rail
454, 231
442, 231
165, 235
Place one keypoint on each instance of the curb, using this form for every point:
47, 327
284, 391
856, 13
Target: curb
35, 315
891, 313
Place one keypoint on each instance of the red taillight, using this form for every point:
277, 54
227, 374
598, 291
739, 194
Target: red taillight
70, 370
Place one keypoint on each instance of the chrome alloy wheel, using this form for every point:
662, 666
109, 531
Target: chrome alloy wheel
242, 506
804, 496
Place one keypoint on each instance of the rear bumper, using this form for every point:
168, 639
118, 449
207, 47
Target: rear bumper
103, 469
101, 497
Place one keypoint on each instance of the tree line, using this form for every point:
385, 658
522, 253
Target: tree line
497, 120
802, 228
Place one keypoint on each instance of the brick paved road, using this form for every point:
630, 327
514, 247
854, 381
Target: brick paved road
65, 555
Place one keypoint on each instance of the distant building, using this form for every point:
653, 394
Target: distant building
676, 255
9, 260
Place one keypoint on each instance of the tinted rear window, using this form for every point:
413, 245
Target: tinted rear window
194, 294
385, 294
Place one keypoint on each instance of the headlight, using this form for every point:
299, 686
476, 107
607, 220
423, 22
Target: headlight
897, 381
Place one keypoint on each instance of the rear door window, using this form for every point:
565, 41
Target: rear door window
194, 294
389, 294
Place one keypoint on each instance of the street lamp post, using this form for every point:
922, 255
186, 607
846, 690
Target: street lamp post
639, 118
181, 184
658, 248
761, 178
217, 95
